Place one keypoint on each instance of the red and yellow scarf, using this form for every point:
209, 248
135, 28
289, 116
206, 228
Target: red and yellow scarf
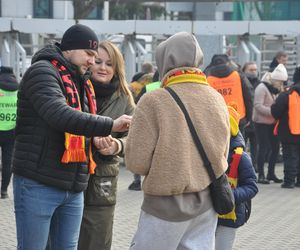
75, 144
191, 75
233, 178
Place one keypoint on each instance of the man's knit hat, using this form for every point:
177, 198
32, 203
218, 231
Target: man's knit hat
279, 73
79, 36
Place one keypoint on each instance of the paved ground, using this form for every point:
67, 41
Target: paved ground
274, 223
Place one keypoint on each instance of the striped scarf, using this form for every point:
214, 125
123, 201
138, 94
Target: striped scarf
192, 75
75, 144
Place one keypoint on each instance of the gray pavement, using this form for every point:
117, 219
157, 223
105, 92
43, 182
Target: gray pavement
273, 225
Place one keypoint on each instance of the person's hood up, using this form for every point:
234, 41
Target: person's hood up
178, 51
53, 52
220, 70
8, 80
237, 141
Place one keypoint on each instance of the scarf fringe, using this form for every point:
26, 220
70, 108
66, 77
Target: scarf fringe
74, 155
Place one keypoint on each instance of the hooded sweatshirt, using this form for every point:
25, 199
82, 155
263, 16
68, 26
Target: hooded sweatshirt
160, 146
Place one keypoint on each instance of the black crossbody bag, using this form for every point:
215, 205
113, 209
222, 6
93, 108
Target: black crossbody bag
220, 190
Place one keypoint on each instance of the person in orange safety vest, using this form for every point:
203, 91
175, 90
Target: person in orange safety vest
286, 110
233, 86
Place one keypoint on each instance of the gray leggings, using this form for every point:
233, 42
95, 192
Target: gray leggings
197, 233
225, 238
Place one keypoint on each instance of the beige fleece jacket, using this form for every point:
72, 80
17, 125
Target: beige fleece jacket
159, 144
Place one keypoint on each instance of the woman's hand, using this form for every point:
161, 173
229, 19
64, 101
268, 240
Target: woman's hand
107, 145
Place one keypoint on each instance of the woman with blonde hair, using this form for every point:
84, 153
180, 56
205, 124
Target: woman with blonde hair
113, 99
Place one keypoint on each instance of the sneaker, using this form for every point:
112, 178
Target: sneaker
288, 185
4, 194
136, 186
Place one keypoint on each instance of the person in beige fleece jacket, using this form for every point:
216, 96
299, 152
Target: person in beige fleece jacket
177, 211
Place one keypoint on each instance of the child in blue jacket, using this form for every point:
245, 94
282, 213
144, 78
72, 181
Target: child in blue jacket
241, 176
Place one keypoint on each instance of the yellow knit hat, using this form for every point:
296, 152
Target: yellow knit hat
234, 118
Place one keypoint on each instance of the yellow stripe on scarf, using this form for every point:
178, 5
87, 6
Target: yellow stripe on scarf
185, 76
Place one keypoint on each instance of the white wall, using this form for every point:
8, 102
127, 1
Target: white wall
16, 8
62, 8
24, 8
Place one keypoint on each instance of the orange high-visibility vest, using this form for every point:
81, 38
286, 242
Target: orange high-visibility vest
294, 113
230, 88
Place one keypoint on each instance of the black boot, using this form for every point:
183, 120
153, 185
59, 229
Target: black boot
262, 180
271, 175
135, 185
274, 178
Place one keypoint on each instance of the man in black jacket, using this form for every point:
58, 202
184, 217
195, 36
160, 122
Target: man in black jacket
286, 110
8, 107
52, 160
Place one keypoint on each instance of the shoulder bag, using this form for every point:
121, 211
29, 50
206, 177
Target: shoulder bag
221, 194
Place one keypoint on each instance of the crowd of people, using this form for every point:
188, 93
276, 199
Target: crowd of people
64, 128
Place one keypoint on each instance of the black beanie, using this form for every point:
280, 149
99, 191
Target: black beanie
79, 36
296, 76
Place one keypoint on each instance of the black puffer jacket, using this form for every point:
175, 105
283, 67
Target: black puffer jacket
42, 118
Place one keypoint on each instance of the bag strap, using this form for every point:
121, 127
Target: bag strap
195, 136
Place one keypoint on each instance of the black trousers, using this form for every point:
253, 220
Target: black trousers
267, 146
7, 144
291, 162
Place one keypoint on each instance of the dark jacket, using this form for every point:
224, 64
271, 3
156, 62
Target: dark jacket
279, 111
246, 188
8, 81
223, 70
42, 118
108, 165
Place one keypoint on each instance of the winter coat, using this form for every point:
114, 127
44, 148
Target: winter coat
246, 188
263, 99
159, 144
108, 166
280, 111
42, 118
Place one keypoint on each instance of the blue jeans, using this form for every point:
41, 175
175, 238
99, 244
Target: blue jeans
40, 210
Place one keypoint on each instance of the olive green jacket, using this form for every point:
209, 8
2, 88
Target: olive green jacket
103, 184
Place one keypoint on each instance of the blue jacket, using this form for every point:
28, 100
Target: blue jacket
246, 188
